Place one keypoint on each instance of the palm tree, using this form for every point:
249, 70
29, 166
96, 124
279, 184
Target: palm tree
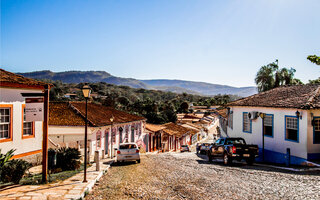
271, 76
265, 77
315, 59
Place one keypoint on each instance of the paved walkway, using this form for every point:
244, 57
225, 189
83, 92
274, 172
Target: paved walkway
71, 188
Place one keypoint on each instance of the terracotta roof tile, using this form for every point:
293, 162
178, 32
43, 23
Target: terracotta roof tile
14, 80
296, 96
73, 114
154, 127
177, 130
61, 113
222, 112
100, 115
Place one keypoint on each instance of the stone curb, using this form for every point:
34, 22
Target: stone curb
288, 168
91, 183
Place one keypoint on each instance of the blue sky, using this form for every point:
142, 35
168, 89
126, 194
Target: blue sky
216, 41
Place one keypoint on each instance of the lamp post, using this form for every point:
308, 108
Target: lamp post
86, 90
111, 120
262, 115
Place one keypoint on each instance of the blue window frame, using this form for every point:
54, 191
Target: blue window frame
246, 123
268, 125
316, 130
291, 128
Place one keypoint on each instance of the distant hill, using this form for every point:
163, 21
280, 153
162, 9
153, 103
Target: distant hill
202, 87
178, 86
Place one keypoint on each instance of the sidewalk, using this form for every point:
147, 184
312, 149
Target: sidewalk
71, 188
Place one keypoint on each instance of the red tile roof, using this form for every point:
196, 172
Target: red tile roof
73, 114
154, 127
100, 115
9, 79
296, 96
61, 113
222, 112
177, 130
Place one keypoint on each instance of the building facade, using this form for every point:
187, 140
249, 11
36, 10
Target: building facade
15, 132
66, 127
288, 120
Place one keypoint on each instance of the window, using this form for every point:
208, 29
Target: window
292, 126
27, 127
316, 130
98, 139
268, 125
132, 134
247, 124
5, 123
230, 120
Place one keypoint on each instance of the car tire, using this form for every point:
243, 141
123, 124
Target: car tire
226, 159
250, 161
138, 161
209, 157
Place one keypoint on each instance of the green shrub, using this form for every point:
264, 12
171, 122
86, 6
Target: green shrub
68, 158
5, 157
13, 170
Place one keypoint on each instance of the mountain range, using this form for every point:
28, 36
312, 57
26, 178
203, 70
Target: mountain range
178, 86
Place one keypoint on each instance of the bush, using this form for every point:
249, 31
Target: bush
68, 158
4, 158
13, 170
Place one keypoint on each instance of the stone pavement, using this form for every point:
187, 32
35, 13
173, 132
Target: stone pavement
71, 188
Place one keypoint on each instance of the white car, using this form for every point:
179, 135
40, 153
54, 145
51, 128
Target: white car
128, 152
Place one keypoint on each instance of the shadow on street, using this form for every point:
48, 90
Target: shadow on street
243, 165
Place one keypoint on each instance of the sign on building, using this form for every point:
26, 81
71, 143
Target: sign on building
34, 109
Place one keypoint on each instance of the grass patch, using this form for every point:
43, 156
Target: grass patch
60, 176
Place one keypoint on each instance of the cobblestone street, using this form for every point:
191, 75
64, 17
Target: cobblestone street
188, 176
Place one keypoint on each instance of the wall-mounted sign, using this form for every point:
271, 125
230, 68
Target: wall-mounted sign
34, 109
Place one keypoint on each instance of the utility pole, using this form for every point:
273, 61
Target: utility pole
45, 134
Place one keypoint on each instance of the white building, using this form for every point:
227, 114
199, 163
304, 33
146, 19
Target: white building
291, 123
15, 132
67, 120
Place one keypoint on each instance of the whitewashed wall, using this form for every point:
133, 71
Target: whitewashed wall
13, 97
68, 134
278, 142
312, 148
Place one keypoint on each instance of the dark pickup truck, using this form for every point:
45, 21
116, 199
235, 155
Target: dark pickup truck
233, 149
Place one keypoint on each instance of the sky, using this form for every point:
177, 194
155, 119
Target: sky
216, 41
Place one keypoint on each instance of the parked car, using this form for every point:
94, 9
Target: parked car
204, 147
233, 149
128, 152
184, 148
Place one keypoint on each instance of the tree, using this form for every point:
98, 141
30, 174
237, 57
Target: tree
315, 59
184, 107
265, 77
271, 76
316, 81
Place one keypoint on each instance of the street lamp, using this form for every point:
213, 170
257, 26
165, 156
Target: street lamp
86, 90
111, 120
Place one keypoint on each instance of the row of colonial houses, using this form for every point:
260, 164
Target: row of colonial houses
107, 127
169, 137
285, 121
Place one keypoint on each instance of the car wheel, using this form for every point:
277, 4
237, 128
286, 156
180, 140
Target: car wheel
138, 161
209, 157
226, 159
250, 161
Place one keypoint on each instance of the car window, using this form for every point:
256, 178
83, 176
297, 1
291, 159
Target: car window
229, 142
235, 141
218, 141
221, 141
128, 146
